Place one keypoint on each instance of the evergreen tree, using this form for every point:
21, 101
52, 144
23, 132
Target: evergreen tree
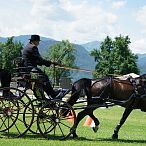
124, 61
114, 57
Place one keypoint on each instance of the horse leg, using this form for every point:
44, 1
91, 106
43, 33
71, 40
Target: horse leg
90, 111
96, 121
123, 119
80, 116
74, 97
72, 100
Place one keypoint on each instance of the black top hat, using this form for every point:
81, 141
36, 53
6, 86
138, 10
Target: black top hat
35, 38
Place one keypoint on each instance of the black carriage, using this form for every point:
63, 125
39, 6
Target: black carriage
37, 113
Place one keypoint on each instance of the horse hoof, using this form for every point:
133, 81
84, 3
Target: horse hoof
95, 129
115, 136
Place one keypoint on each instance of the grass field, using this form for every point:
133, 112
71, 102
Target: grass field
133, 132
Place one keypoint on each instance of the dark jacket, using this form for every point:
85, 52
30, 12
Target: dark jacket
32, 57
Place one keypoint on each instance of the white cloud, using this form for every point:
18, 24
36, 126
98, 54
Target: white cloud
141, 15
52, 10
80, 21
65, 19
118, 4
77, 20
138, 46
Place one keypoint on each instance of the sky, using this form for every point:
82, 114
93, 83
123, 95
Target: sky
79, 21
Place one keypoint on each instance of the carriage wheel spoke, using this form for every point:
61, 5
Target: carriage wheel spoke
61, 130
65, 125
37, 130
54, 130
17, 128
48, 129
44, 126
3, 122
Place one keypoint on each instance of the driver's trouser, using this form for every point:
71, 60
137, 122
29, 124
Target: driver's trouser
47, 87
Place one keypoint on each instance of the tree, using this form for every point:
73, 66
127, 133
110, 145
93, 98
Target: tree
8, 52
63, 53
124, 59
114, 57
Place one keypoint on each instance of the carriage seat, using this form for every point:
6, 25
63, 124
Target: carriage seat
28, 73
23, 77
21, 72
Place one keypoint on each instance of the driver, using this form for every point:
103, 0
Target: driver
32, 57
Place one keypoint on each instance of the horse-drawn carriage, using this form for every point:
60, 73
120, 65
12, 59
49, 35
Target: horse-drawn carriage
20, 112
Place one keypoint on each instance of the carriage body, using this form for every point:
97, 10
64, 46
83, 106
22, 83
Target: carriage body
30, 109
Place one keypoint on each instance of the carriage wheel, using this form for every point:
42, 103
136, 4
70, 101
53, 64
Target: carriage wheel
56, 120
37, 104
9, 111
20, 100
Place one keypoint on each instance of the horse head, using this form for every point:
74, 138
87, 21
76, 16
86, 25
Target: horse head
143, 78
141, 83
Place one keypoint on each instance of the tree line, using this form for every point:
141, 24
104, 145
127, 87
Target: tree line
113, 57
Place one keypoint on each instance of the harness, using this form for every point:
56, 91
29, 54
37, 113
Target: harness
109, 86
132, 101
102, 98
109, 80
135, 85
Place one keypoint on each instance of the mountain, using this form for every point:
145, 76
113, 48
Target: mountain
83, 59
24, 39
142, 63
3, 39
91, 45
141, 56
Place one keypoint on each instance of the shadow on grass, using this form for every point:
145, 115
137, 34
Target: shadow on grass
31, 136
111, 140
14, 135
122, 140
52, 137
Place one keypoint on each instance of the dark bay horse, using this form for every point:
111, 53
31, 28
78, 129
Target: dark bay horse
130, 93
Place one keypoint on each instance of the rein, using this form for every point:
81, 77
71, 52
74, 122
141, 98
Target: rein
121, 102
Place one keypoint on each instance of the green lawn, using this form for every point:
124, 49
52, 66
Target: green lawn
133, 132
